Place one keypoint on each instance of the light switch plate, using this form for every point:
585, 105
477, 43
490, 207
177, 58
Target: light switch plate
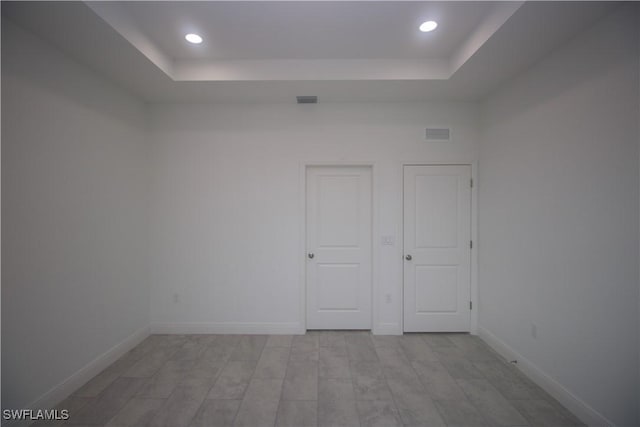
388, 240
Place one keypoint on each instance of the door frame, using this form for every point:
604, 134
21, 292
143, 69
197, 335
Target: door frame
473, 326
302, 219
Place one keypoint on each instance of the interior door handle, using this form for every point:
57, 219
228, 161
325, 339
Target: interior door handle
311, 255
408, 258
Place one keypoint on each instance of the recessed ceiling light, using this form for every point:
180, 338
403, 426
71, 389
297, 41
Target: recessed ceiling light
193, 38
425, 27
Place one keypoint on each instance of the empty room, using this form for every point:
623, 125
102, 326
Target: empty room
320, 213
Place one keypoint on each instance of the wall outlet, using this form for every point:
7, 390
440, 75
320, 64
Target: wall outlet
176, 297
387, 298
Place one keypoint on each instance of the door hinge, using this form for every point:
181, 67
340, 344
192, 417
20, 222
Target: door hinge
471, 182
470, 244
470, 305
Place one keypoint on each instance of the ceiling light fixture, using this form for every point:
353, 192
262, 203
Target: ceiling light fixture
425, 27
193, 38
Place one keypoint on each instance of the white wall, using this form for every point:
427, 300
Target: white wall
226, 204
74, 185
558, 210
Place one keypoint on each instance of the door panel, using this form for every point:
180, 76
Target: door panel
338, 211
436, 289
437, 209
437, 236
339, 237
338, 279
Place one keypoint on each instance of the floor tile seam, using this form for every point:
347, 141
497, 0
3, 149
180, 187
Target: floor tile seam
284, 379
226, 363
479, 409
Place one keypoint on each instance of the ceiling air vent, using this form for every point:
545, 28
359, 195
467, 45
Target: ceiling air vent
307, 99
438, 134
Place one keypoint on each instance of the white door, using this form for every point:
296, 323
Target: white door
338, 247
437, 238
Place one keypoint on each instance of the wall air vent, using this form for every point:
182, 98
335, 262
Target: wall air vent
438, 135
307, 99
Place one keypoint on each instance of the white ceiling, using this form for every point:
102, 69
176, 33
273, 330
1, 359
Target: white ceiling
307, 30
271, 51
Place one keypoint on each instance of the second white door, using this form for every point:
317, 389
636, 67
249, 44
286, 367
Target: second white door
437, 237
338, 247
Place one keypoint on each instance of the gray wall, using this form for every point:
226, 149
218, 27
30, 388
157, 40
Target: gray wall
228, 229
74, 187
558, 219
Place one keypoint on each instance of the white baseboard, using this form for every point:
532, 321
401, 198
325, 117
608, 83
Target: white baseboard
64, 389
283, 328
577, 406
388, 329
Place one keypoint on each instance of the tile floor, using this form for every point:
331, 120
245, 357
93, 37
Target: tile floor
318, 379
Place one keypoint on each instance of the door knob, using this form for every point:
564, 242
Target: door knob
408, 257
311, 255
